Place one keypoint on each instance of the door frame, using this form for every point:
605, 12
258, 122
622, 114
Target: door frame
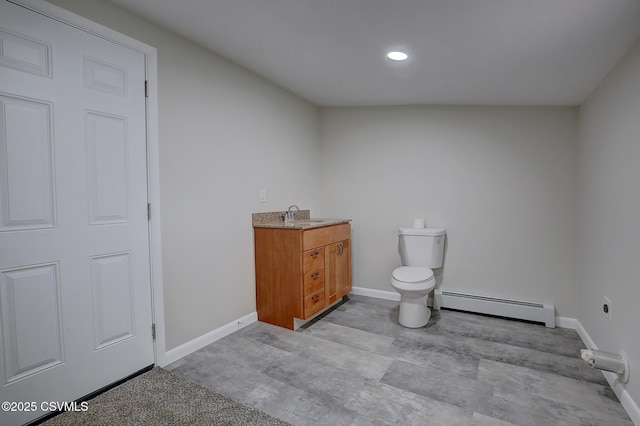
153, 164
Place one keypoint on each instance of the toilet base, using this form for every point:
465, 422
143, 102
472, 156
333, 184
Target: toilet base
414, 312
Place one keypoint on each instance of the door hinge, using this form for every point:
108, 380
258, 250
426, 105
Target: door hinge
153, 331
146, 88
148, 211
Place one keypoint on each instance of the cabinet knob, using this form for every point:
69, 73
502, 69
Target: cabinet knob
316, 275
315, 254
316, 297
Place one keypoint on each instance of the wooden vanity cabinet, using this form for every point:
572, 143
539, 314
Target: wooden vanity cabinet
299, 272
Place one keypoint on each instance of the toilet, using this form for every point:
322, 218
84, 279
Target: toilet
421, 250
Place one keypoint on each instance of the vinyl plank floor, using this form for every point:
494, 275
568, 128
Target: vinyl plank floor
357, 366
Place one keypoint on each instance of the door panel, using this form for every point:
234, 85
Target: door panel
105, 77
26, 187
25, 54
107, 166
75, 287
31, 320
112, 291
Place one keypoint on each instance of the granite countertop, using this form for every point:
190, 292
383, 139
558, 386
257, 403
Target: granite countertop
302, 224
302, 220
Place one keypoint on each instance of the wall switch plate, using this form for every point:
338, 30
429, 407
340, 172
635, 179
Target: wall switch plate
263, 195
606, 308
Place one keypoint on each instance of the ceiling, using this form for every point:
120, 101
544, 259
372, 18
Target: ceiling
462, 52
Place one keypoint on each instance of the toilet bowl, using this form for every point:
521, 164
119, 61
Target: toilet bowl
414, 285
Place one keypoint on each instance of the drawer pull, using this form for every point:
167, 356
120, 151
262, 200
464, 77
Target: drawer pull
315, 254
316, 275
316, 297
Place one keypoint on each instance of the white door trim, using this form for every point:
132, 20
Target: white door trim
153, 168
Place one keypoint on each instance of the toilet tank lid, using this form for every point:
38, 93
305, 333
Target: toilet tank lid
431, 232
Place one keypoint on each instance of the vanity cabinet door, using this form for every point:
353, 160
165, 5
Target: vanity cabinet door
343, 269
331, 258
337, 270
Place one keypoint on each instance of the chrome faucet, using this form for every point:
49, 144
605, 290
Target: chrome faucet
288, 217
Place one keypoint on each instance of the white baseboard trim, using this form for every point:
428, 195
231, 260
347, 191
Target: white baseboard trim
208, 338
378, 294
632, 408
564, 322
586, 339
628, 403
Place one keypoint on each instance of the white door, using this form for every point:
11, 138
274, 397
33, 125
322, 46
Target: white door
75, 294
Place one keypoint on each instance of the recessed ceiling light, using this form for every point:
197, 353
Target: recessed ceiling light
397, 55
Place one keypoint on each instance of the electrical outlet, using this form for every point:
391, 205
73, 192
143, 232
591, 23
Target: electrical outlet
606, 308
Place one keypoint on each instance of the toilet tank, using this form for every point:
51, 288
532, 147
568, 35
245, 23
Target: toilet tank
422, 247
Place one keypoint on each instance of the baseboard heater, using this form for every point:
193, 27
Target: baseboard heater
544, 313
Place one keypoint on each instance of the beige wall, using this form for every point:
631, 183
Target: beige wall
224, 133
508, 184
501, 180
609, 206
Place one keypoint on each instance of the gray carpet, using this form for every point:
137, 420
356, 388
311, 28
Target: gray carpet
159, 397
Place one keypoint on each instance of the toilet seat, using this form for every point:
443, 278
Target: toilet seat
412, 275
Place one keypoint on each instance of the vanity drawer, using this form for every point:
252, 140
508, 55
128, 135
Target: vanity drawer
313, 303
313, 259
319, 237
313, 281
